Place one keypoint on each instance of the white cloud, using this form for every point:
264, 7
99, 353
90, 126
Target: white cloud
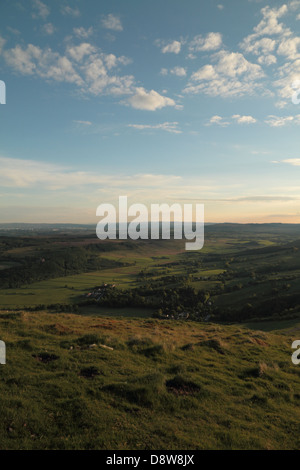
113, 85
294, 5
112, 22
292, 161
82, 32
207, 72
220, 7
290, 47
224, 122
19, 173
259, 43
288, 74
232, 75
96, 70
22, 60
164, 71
40, 10
191, 56
171, 127
219, 121
274, 42
234, 64
83, 65
44, 63
259, 46
13, 30
277, 121
67, 10
268, 59
113, 61
280, 104
174, 47
211, 42
48, 28
244, 119
149, 101
179, 71
79, 52
2, 43
269, 24
83, 123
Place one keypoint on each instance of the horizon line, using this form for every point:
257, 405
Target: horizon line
149, 222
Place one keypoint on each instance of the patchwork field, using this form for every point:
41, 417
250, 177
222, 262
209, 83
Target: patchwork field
240, 269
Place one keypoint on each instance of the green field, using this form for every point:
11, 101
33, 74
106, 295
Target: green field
228, 267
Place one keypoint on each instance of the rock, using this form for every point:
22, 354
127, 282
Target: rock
106, 347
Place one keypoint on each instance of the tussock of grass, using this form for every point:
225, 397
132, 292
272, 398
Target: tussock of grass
177, 369
149, 347
45, 357
215, 344
87, 340
143, 391
138, 342
58, 329
259, 399
155, 351
188, 347
262, 370
182, 386
25, 344
89, 372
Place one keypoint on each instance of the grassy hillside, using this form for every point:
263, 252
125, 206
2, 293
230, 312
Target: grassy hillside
87, 382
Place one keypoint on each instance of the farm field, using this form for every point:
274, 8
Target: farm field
244, 272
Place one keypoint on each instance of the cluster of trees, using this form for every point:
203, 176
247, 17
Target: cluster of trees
271, 307
183, 298
51, 264
63, 308
167, 301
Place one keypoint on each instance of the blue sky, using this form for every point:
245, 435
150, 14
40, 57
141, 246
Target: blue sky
162, 101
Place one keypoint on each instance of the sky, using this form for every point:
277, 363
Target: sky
165, 102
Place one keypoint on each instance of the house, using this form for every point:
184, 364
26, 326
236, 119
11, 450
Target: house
183, 315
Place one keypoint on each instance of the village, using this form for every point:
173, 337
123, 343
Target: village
99, 291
